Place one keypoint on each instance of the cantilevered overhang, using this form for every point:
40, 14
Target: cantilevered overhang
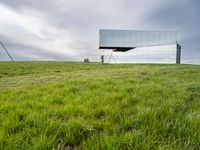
118, 49
124, 40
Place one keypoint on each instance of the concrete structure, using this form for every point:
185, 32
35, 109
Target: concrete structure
126, 40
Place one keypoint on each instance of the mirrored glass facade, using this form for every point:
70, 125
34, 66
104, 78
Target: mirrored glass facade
139, 46
156, 54
135, 38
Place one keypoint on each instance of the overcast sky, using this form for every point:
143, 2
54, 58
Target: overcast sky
68, 29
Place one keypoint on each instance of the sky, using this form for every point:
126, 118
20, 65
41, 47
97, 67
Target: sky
67, 30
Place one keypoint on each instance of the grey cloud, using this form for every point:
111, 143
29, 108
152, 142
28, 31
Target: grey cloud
27, 52
181, 15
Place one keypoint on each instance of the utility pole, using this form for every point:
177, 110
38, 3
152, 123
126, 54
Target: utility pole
6, 51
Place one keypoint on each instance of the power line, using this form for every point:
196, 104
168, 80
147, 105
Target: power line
6, 51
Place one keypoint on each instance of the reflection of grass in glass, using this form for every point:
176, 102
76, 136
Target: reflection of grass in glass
60, 105
156, 54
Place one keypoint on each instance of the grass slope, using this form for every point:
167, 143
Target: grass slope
63, 105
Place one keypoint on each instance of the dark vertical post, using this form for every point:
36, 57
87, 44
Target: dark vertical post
102, 58
178, 54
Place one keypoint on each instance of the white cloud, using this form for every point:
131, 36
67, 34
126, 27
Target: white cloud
30, 27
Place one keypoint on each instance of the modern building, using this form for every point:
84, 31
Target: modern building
127, 46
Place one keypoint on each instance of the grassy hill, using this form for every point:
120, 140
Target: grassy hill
65, 105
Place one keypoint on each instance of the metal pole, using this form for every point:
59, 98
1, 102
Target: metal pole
6, 51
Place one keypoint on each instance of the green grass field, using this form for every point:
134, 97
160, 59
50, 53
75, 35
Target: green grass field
65, 105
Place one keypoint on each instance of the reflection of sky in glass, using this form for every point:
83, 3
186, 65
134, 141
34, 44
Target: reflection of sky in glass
155, 54
136, 38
